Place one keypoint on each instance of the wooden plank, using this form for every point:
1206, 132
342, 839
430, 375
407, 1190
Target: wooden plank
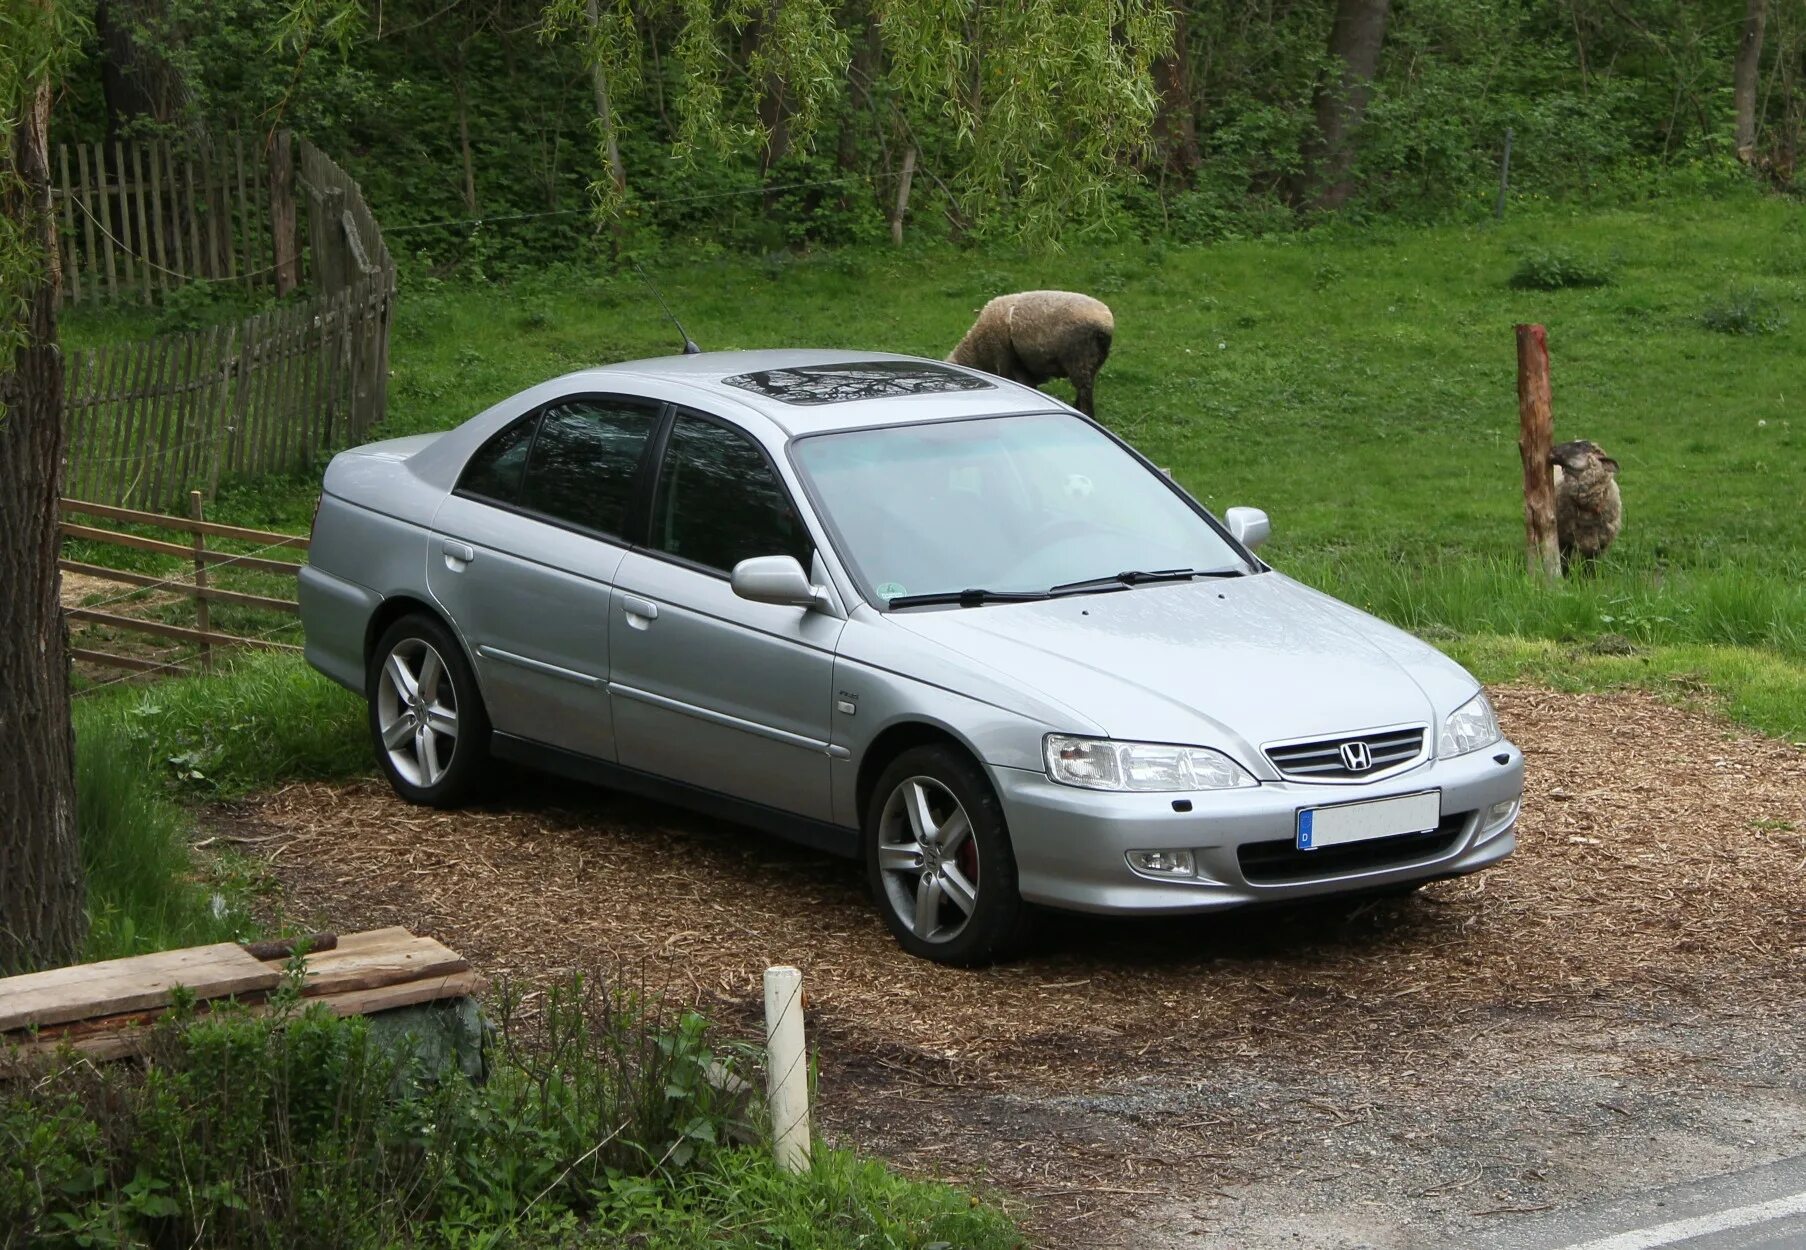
154, 433
159, 215
408, 994
246, 226
338, 972
181, 633
83, 365
151, 276
123, 455
220, 416
101, 572
78, 507
176, 549
118, 410
122, 219
228, 209
173, 669
135, 984
195, 258
174, 223
245, 382
72, 269
210, 190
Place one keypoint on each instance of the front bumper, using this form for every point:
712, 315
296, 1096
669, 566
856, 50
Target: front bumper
1072, 845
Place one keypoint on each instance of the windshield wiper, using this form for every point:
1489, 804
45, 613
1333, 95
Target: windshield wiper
1137, 577
972, 598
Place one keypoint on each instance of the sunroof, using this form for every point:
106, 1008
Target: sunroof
861, 379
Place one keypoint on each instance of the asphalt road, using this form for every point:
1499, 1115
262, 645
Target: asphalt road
1760, 1209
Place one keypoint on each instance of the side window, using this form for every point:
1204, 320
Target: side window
584, 461
495, 472
719, 501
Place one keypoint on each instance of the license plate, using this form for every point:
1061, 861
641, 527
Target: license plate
1319, 827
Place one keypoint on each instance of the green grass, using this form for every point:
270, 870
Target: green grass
261, 721
1356, 382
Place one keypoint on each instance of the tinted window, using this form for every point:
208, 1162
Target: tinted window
719, 502
496, 470
584, 461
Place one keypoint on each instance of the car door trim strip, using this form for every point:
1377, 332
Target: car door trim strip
732, 722
538, 666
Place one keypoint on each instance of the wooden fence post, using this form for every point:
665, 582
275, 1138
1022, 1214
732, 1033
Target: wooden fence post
282, 212
1536, 439
202, 614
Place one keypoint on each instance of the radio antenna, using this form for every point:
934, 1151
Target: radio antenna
690, 348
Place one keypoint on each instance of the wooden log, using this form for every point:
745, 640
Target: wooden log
180, 633
1536, 440
79, 507
213, 594
282, 212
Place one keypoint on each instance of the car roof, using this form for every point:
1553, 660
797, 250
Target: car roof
850, 399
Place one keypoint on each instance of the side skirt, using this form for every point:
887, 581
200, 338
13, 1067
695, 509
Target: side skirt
819, 834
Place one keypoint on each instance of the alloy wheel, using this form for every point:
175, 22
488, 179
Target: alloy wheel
417, 712
928, 859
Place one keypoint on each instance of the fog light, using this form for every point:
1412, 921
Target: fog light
1164, 863
1501, 813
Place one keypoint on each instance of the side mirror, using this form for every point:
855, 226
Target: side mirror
777, 579
1249, 526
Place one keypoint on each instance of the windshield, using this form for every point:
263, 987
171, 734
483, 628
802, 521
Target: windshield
1012, 505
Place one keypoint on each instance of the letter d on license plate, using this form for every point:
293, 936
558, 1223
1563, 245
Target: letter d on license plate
1319, 827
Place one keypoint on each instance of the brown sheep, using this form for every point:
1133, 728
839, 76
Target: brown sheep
1588, 509
1032, 336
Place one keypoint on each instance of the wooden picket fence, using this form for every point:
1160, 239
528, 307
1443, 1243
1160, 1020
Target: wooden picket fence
151, 420
144, 217
196, 583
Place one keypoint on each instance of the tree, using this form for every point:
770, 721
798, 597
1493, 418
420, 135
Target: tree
1340, 102
42, 917
1743, 79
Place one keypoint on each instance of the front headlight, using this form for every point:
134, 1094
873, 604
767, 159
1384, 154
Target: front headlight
1105, 764
1469, 727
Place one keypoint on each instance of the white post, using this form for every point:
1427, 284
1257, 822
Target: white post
786, 1068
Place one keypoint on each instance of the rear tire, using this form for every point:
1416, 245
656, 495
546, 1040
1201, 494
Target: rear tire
939, 861
427, 721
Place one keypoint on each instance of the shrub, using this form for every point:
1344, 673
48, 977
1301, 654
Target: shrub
1743, 311
1557, 269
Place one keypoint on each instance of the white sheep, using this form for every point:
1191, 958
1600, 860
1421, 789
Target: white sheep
1032, 336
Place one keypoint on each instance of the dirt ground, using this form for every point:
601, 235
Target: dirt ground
1618, 1005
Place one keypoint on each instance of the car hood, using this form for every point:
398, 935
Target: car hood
1230, 663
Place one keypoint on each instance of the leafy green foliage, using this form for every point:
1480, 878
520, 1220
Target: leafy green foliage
1743, 311
1555, 269
300, 1130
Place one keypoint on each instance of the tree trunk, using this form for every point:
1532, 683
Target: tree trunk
1744, 76
605, 113
1176, 123
1341, 101
470, 169
42, 896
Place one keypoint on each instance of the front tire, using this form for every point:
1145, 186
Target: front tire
427, 720
939, 861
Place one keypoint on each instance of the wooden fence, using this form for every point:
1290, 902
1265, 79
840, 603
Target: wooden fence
143, 217
151, 420
195, 583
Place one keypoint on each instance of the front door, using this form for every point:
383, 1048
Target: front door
709, 688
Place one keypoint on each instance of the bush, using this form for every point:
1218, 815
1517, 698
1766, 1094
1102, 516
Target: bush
296, 1129
1556, 270
1744, 311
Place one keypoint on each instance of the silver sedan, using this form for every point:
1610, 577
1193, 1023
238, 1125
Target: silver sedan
902, 611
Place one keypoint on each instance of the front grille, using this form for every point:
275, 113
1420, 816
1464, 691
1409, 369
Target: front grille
1322, 760
1280, 861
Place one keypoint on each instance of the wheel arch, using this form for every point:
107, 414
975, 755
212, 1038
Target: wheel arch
892, 741
393, 608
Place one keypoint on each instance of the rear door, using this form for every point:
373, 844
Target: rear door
708, 688
523, 559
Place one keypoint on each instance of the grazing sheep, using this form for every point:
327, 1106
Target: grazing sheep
1588, 511
1032, 336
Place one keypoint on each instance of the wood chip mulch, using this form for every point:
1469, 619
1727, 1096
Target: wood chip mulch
1662, 865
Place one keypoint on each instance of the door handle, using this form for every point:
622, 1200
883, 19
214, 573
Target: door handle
457, 555
645, 609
